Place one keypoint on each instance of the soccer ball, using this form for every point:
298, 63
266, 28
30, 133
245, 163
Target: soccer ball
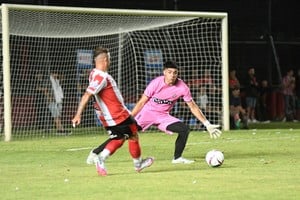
214, 158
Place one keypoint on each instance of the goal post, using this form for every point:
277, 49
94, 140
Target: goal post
37, 40
6, 75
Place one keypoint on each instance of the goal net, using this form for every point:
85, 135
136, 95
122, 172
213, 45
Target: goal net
41, 40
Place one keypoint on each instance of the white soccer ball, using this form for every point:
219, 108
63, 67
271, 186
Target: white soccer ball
214, 158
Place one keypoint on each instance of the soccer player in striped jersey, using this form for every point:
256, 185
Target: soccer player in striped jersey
112, 113
157, 101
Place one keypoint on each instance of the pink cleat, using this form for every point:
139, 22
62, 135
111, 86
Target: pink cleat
100, 167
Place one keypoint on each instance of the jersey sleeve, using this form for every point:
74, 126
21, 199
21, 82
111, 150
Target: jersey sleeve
96, 84
187, 96
150, 89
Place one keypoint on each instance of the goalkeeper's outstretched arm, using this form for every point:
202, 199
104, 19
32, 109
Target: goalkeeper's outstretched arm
213, 130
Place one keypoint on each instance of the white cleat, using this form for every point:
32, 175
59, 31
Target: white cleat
91, 157
144, 163
182, 160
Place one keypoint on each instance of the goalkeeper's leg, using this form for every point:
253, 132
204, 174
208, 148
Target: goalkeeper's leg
183, 133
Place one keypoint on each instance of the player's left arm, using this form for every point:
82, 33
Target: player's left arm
196, 111
211, 128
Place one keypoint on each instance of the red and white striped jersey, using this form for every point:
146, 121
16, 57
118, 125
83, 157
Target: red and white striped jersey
109, 103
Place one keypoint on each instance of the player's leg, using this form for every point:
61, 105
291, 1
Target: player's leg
131, 129
98, 155
183, 133
118, 134
138, 162
106, 149
135, 151
114, 134
95, 152
101, 146
111, 147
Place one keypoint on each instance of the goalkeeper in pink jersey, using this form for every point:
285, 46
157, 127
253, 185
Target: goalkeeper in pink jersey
159, 98
112, 113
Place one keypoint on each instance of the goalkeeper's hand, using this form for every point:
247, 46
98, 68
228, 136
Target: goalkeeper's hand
213, 130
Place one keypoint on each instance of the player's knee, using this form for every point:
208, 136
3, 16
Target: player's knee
185, 129
134, 137
180, 128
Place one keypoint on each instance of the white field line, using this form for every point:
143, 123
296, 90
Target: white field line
79, 148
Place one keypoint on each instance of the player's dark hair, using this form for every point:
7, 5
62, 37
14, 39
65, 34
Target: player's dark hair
170, 64
100, 50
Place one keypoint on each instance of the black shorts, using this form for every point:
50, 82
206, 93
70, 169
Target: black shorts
124, 130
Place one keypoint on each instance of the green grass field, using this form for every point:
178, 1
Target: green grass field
259, 164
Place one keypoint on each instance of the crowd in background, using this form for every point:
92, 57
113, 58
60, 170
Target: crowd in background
255, 101
251, 100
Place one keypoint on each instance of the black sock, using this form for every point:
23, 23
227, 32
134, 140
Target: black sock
183, 133
101, 147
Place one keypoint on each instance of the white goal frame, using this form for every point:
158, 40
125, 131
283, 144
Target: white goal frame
5, 8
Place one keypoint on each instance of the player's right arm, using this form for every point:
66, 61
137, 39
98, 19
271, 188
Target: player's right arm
139, 105
83, 102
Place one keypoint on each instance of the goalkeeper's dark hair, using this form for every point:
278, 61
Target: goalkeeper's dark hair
170, 64
100, 50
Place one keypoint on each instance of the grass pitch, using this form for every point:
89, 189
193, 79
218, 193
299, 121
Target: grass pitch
259, 164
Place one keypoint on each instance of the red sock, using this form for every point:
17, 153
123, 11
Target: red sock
134, 148
113, 145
